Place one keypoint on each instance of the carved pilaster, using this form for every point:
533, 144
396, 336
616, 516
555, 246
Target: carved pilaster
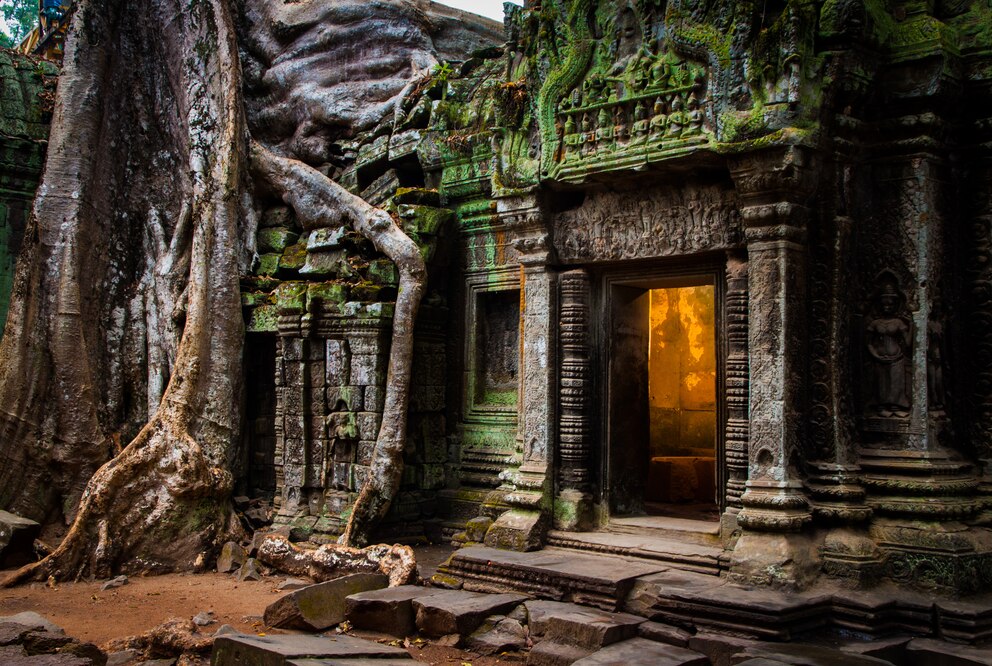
773, 188
736, 436
574, 401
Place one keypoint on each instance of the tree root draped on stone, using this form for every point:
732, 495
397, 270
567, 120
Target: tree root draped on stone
330, 561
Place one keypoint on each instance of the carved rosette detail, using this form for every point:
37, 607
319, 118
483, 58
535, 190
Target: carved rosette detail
574, 429
737, 428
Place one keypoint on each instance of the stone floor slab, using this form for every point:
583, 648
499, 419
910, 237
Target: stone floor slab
277, 650
642, 652
549, 653
459, 611
590, 627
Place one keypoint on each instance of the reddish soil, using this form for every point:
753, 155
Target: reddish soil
145, 602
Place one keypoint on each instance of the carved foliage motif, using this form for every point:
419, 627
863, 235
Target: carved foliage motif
616, 225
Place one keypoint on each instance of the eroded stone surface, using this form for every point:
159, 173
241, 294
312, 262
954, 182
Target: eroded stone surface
322, 605
388, 610
497, 634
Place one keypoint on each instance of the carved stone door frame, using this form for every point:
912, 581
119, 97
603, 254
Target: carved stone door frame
653, 274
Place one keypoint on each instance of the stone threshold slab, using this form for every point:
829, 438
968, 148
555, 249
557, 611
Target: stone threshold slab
697, 557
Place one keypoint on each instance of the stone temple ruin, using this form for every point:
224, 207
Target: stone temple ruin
709, 286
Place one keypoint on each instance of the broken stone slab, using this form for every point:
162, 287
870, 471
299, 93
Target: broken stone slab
248, 571
539, 611
460, 612
498, 633
642, 652
664, 633
929, 652
589, 627
798, 654
114, 583
279, 650
17, 537
320, 606
291, 584
232, 556
388, 610
32, 619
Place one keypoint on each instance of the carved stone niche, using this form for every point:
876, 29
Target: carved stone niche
887, 358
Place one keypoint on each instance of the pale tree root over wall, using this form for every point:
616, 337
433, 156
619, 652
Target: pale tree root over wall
165, 499
320, 202
331, 561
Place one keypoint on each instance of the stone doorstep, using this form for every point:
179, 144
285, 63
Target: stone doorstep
277, 650
642, 652
664, 550
460, 612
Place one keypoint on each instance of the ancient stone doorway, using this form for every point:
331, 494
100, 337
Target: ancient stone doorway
663, 415
260, 412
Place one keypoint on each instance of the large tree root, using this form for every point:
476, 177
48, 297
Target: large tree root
331, 561
320, 202
173, 638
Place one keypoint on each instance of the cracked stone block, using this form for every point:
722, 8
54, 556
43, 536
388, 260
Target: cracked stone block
320, 606
590, 628
642, 652
389, 611
460, 612
238, 650
664, 633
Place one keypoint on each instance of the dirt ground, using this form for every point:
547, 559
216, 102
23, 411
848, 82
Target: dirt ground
89, 614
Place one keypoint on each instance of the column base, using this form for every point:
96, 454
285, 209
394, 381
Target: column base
774, 506
518, 529
788, 561
573, 511
852, 556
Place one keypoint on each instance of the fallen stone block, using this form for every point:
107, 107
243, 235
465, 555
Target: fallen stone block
798, 654
114, 583
642, 652
460, 612
929, 652
291, 584
47, 660
540, 611
44, 642
17, 537
248, 571
232, 556
245, 650
320, 606
497, 633
389, 610
590, 628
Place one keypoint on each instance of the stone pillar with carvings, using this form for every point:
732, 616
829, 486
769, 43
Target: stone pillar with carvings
736, 435
527, 488
773, 187
573, 503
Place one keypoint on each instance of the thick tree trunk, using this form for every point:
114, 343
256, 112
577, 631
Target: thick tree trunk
320, 202
164, 499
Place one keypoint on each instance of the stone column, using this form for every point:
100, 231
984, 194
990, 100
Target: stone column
573, 504
737, 431
528, 487
773, 187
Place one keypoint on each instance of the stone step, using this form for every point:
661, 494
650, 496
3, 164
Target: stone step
279, 650
552, 573
667, 550
679, 530
642, 652
460, 611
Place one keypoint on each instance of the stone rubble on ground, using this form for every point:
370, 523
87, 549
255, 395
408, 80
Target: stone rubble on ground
317, 607
114, 583
204, 619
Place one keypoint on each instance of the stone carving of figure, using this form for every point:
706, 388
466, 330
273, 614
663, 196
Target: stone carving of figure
694, 117
640, 123
889, 346
676, 119
659, 120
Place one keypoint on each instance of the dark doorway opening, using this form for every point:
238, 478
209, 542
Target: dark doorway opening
260, 412
663, 416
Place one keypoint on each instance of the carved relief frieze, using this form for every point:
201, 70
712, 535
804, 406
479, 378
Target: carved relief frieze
618, 225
